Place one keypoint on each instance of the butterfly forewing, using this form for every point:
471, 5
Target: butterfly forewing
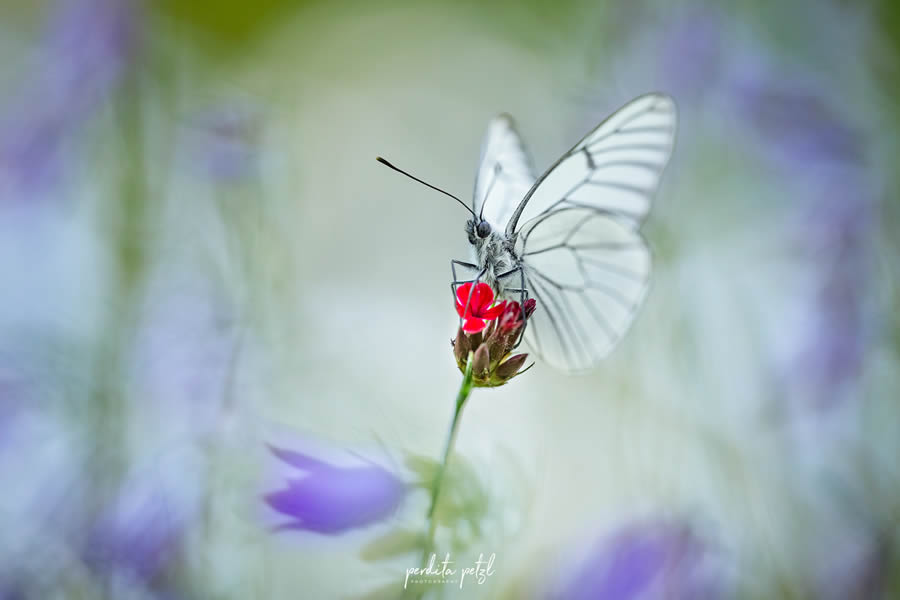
504, 173
615, 168
588, 271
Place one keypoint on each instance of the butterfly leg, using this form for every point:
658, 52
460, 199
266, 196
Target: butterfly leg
457, 282
523, 296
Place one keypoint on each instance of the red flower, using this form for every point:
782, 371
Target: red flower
474, 306
491, 344
513, 317
489, 335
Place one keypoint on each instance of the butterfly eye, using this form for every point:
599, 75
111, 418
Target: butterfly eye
483, 229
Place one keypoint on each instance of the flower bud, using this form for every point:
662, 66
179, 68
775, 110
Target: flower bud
481, 362
510, 367
530, 305
461, 347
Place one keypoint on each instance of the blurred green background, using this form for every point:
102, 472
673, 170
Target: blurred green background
200, 257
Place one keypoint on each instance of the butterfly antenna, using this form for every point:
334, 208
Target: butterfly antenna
464, 205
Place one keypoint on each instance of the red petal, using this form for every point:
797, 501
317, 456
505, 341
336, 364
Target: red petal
479, 299
482, 298
473, 325
512, 316
462, 296
485, 299
492, 313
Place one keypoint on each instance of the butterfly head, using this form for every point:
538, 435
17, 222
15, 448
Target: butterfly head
478, 229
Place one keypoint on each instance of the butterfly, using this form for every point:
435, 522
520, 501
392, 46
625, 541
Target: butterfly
571, 237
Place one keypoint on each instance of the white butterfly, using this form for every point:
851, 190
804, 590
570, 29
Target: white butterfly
578, 250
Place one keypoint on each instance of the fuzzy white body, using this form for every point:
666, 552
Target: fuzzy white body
494, 254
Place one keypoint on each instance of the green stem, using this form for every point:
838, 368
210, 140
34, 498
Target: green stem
464, 390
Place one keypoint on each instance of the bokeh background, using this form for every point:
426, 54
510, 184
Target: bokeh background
201, 262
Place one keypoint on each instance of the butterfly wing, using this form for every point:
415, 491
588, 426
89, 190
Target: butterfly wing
589, 271
615, 168
504, 173
584, 260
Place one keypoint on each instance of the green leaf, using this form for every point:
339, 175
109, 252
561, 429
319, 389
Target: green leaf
228, 25
425, 468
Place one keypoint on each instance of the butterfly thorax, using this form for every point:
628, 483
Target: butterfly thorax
493, 253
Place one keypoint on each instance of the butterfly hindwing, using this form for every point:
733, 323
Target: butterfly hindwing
589, 271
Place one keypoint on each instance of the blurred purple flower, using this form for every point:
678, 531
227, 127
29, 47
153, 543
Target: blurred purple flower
800, 129
790, 116
8, 407
859, 567
223, 142
691, 53
645, 561
138, 533
87, 44
11, 591
331, 499
827, 355
187, 360
87, 34
796, 125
